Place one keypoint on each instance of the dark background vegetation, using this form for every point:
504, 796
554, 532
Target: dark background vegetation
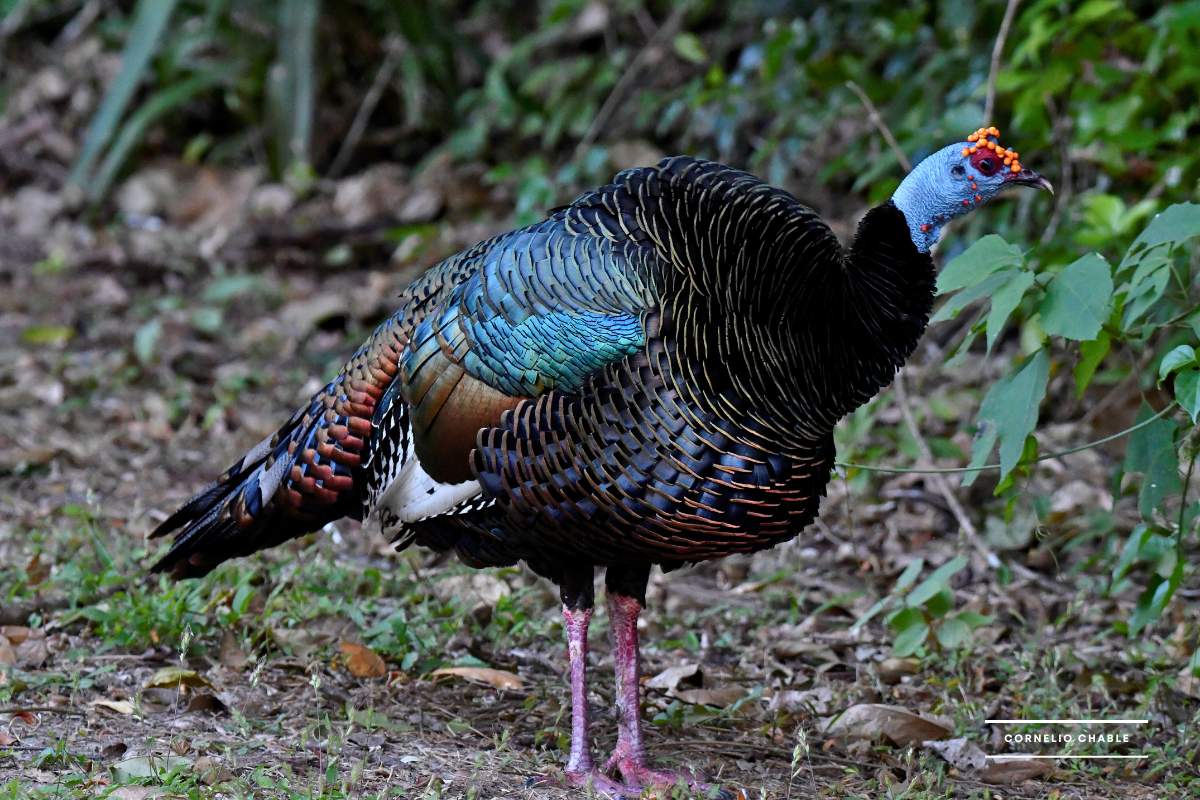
204, 207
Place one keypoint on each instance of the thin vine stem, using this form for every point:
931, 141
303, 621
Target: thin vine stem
1183, 493
987, 467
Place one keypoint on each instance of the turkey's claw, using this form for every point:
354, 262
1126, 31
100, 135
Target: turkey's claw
639, 776
592, 779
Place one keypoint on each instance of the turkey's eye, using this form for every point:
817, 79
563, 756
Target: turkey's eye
987, 166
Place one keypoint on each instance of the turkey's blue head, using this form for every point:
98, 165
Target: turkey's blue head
958, 179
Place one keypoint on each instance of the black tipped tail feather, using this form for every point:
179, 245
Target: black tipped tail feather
294, 482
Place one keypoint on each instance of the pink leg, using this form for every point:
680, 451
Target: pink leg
580, 770
629, 757
576, 621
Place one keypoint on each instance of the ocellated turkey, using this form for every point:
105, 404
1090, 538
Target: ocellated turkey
649, 376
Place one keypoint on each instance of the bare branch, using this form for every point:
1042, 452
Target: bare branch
878, 122
613, 101
939, 482
997, 51
394, 48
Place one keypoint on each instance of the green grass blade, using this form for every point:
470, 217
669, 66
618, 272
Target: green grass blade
158, 105
150, 19
297, 33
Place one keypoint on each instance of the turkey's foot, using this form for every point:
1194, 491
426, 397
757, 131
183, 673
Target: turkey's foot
639, 775
590, 778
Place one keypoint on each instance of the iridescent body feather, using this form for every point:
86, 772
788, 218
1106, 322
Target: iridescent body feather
652, 374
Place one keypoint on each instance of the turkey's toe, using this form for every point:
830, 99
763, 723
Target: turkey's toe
637, 774
593, 779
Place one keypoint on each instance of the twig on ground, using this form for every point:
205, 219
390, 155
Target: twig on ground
42, 710
938, 481
394, 47
613, 101
997, 51
878, 122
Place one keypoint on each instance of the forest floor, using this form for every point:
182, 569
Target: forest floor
145, 350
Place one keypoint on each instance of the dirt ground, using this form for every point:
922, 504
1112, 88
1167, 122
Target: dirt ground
144, 347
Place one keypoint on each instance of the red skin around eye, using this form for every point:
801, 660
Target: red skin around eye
978, 157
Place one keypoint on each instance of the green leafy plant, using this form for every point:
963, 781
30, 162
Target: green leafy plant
922, 614
1091, 311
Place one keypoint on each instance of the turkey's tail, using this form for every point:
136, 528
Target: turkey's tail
295, 481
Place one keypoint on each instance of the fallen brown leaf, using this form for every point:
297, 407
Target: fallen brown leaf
671, 677
362, 661
173, 677
8, 656
718, 697
206, 701
32, 653
891, 670
119, 706
1008, 771
6, 739
210, 772
231, 654
136, 792
496, 678
815, 701
961, 753
19, 633
874, 720
35, 571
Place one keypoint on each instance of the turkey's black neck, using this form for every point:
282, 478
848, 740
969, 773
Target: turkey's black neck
856, 322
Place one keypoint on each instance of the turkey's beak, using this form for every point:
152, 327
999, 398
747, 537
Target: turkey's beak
1027, 177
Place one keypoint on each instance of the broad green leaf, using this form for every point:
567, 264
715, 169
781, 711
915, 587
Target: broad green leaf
1003, 303
871, 612
909, 576
1078, 299
937, 581
953, 633
910, 639
1093, 352
1151, 451
989, 254
207, 319
905, 618
1009, 414
1181, 356
689, 48
974, 620
941, 603
47, 334
1146, 288
229, 287
145, 340
1145, 543
1187, 392
985, 288
1176, 224
1151, 603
